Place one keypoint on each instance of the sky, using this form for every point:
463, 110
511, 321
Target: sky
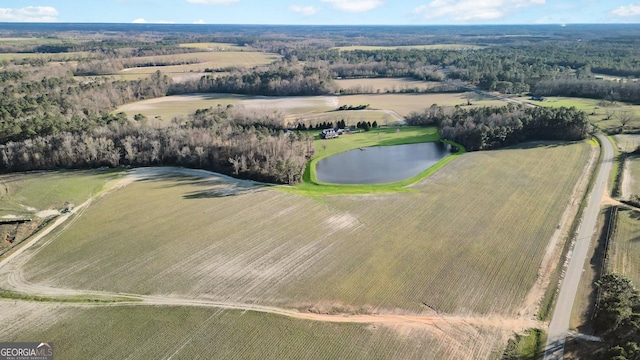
323, 12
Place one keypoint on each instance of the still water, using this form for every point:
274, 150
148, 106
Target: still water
380, 164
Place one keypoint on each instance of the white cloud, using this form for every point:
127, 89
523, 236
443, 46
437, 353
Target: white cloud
355, 6
471, 10
200, 22
29, 14
627, 11
143, 21
212, 2
304, 10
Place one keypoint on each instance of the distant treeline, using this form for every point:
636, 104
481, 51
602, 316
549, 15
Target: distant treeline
215, 139
493, 127
278, 79
608, 90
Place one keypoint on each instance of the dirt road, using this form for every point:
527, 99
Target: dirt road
559, 326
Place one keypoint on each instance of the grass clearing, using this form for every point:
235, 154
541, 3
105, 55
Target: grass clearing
145, 332
599, 115
449, 245
526, 346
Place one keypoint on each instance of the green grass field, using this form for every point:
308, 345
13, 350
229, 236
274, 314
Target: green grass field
625, 249
137, 332
603, 117
450, 243
47, 189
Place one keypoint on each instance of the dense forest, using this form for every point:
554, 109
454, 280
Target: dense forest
217, 139
279, 79
493, 127
617, 319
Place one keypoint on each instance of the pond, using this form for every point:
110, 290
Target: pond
380, 164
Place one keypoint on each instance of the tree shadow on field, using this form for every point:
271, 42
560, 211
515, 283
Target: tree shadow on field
549, 144
208, 187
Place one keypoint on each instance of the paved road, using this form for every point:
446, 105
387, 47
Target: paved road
562, 314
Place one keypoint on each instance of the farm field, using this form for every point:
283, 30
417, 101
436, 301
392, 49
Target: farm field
149, 332
179, 105
625, 249
448, 246
298, 107
405, 104
200, 62
68, 56
213, 46
383, 85
409, 47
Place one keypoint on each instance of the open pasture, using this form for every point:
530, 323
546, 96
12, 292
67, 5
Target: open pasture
449, 245
605, 117
149, 332
404, 104
384, 85
624, 252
